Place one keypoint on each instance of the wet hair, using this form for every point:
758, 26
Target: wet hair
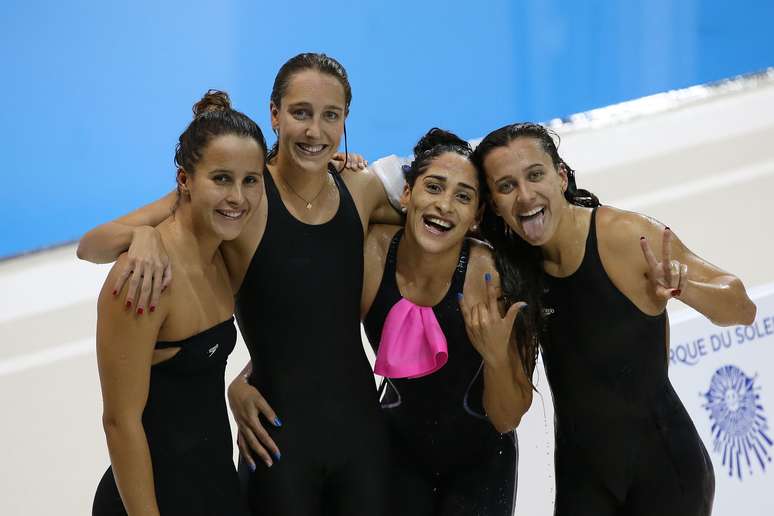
213, 117
548, 141
434, 143
302, 62
519, 263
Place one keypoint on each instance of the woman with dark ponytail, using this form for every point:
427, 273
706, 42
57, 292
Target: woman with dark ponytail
164, 411
306, 407
456, 361
624, 442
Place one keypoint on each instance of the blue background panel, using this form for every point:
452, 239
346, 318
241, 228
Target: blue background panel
96, 93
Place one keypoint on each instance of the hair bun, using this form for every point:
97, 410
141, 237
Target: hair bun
435, 137
213, 100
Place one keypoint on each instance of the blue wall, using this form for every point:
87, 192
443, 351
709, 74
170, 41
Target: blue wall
96, 93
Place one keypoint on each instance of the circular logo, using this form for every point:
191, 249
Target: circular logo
739, 424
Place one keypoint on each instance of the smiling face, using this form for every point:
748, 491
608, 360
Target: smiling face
310, 119
227, 185
443, 204
527, 190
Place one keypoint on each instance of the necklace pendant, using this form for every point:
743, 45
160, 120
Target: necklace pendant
309, 206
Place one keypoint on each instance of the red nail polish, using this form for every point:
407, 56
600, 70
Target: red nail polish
676, 292
128, 304
115, 292
152, 308
642, 238
666, 228
140, 311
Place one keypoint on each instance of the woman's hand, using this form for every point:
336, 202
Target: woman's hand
354, 161
147, 269
246, 405
488, 331
668, 277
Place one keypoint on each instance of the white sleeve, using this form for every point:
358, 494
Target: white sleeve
389, 170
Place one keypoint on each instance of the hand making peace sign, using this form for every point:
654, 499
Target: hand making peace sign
668, 277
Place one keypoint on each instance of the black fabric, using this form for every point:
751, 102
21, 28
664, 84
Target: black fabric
188, 432
448, 458
299, 311
616, 411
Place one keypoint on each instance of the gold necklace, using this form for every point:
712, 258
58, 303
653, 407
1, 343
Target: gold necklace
308, 202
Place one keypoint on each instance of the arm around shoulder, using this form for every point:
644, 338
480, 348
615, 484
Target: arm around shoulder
104, 243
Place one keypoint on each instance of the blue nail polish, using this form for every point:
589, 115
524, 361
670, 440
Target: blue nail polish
252, 468
487, 276
459, 296
277, 455
277, 422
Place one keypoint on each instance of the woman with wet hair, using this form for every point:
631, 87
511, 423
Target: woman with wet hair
298, 271
456, 370
624, 442
164, 412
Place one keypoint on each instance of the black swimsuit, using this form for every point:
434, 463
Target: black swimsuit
188, 432
299, 312
624, 442
448, 458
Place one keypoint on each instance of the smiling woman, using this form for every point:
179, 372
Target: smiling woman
162, 373
457, 373
624, 442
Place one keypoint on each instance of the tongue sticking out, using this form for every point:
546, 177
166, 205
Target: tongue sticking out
533, 226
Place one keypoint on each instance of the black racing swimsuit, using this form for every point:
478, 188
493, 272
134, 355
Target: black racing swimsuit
188, 432
299, 312
624, 442
447, 457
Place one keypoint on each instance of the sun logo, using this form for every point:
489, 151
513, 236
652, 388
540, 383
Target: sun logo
738, 423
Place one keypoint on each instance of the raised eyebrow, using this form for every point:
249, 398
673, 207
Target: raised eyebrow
470, 187
437, 178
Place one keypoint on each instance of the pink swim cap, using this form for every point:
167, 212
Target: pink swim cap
412, 343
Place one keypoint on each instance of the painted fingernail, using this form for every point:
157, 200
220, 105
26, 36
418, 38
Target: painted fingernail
152, 308
642, 238
676, 292
115, 292
277, 421
252, 467
666, 228
459, 296
487, 276
128, 304
524, 307
277, 455
140, 311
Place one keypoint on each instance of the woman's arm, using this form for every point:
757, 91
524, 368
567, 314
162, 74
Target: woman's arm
125, 346
147, 266
104, 243
247, 404
507, 390
674, 271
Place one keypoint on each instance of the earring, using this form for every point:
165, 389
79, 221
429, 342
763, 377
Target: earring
403, 209
474, 227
